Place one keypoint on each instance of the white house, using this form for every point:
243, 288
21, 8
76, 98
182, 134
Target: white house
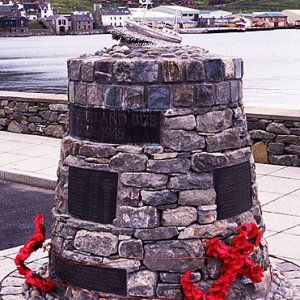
106, 16
46, 10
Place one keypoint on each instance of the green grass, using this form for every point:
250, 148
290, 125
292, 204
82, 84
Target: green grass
256, 5
35, 25
67, 6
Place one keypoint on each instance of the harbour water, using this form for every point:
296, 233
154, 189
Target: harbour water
271, 60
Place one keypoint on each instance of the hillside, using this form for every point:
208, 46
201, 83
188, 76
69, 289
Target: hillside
64, 6
256, 5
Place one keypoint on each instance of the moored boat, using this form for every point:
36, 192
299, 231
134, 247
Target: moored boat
163, 33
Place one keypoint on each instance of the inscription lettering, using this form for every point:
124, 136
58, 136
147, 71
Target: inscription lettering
115, 126
233, 189
92, 194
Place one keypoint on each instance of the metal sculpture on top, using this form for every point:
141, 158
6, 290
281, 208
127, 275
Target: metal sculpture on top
144, 33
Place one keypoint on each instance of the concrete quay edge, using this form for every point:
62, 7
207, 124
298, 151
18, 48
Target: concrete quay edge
35, 181
38, 97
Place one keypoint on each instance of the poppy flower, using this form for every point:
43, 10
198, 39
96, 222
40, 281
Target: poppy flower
256, 274
216, 248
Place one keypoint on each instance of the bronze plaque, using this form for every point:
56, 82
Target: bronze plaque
92, 194
95, 278
234, 190
115, 126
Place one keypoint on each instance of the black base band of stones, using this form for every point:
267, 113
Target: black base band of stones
115, 126
233, 189
94, 278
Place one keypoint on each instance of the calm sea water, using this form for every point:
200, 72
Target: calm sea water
271, 58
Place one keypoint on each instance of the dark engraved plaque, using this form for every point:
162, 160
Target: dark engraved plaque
92, 194
94, 278
115, 126
233, 188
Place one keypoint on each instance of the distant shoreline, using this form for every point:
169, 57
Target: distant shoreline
198, 30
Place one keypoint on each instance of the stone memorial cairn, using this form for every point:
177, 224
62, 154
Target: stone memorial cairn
157, 162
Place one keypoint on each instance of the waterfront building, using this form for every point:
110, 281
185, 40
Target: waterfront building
8, 10
106, 16
81, 22
61, 24
46, 10
182, 12
212, 17
32, 11
292, 15
14, 24
268, 19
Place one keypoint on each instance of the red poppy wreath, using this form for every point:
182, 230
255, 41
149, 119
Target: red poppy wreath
33, 244
234, 261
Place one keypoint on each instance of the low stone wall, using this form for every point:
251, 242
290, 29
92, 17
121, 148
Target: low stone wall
38, 114
276, 135
275, 132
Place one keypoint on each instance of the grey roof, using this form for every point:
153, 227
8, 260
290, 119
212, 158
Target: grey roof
14, 18
54, 17
82, 18
114, 11
269, 15
43, 5
8, 9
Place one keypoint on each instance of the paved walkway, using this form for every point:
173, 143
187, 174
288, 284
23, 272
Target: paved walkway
33, 160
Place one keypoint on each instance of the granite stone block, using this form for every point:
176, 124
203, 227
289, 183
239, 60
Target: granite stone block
195, 71
87, 71
183, 96
123, 71
80, 93
146, 71
103, 71
214, 69
172, 71
133, 97
74, 66
222, 92
159, 97
205, 95
94, 94
113, 96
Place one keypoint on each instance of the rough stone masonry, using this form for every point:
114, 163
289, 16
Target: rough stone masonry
152, 132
